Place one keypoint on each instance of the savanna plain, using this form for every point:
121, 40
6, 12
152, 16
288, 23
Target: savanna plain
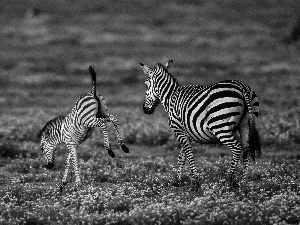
45, 50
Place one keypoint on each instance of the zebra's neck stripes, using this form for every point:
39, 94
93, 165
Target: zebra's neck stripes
167, 85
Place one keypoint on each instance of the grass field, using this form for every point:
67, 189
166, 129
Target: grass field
45, 50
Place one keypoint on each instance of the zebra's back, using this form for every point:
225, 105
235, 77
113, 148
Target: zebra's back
204, 111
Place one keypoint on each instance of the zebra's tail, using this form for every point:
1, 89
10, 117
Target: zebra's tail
254, 139
93, 76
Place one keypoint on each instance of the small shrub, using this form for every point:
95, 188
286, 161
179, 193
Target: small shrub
146, 133
23, 128
10, 150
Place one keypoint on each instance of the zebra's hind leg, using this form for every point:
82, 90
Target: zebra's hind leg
105, 135
115, 121
64, 179
228, 139
246, 162
244, 134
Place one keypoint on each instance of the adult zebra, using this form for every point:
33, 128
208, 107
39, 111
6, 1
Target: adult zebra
90, 111
206, 114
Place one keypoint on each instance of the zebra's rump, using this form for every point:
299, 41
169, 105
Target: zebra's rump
102, 108
87, 105
206, 111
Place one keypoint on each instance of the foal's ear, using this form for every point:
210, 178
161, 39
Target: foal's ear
43, 132
145, 68
169, 64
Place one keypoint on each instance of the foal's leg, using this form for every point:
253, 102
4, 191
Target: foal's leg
115, 121
64, 179
106, 141
73, 158
101, 122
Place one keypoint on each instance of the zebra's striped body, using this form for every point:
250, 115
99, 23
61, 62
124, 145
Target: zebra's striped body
206, 114
211, 108
90, 111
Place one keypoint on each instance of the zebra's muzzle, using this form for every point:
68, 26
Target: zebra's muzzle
49, 166
147, 110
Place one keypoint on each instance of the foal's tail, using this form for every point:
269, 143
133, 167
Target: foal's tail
93, 77
254, 139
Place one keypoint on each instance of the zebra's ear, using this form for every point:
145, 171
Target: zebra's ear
169, 64
145, 68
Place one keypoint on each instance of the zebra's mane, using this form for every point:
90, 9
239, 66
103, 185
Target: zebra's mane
167, 71
58, 118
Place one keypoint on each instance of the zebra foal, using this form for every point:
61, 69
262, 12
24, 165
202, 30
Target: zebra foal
89, 112
206, 114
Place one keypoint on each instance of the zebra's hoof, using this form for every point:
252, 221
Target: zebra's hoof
234, 184
77, 185
111, 153
195, 185
175, 183
124, 148
62, 186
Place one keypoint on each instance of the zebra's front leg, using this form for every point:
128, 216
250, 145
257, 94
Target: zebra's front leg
115, 121
105, 135
186, 153
64, 179
73, 157
180, 162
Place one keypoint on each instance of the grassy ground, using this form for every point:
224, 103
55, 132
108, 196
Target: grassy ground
45, 50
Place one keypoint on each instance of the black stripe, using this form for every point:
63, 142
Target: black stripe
85, 111
88, 105
218, 126
229, 138
223, 132
221, 106
169, 90
254, 95
86, 118
83, 100
222, 117
212, 97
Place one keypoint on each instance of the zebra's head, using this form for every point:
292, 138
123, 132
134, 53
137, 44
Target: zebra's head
50, 139
152, 94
